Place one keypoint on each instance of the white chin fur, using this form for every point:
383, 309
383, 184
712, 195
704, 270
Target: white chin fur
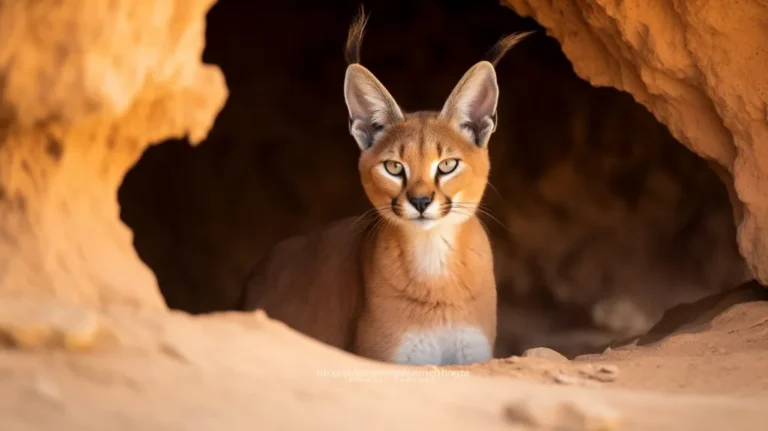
432, 218
432, 211
414, 218
424, 224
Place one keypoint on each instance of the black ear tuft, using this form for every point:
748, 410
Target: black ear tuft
496, 53
355, 37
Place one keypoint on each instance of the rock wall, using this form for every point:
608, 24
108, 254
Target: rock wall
85, 86
699, 67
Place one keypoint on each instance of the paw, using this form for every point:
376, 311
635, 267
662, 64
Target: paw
419, 349
472, 346
472, 353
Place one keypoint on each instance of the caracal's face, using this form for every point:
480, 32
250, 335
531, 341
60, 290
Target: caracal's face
423, 173
425, 169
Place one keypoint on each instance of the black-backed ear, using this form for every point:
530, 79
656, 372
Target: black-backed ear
471, 107
371, 107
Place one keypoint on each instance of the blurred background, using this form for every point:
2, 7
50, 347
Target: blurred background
604, 221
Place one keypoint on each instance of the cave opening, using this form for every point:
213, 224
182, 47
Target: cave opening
602, 221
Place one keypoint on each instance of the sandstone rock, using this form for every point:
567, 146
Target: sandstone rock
32, 323
235, 375
701, 74
82, 95
545, 353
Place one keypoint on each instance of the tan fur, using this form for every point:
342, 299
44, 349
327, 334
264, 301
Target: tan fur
364, 284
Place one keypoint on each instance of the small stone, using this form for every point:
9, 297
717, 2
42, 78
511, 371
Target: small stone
581, 414
588, 416
545, 353
79, 331
260, 315
601, 372
170, 350
524, 412
608, 369
564, 379
511, 360
46, 389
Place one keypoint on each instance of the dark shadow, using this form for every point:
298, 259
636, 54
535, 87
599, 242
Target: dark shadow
697, 316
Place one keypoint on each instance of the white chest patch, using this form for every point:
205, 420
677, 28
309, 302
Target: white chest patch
431, 253
456, 345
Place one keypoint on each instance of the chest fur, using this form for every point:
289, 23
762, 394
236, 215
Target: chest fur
431, 254
452, 345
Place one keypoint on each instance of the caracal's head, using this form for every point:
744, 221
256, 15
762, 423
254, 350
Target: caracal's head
423, 169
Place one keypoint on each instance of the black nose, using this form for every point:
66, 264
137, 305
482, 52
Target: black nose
420, 202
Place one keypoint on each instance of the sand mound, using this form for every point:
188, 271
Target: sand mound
74, 368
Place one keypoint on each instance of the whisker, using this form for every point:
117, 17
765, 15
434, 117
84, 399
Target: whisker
370, 211
497, 191
473, 204
486, 213
367, 225
362, 216
480, 209
485, 226
469, 214
375, 228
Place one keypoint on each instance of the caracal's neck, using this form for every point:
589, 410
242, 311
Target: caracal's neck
429, 254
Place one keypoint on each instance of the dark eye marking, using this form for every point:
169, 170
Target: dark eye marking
395, 207
446, 207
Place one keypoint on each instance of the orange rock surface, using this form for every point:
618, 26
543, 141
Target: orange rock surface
699, 67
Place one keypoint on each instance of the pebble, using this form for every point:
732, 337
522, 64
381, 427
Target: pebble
608, 371
545, 353
601, 372
582, 414
46, 389
564, 379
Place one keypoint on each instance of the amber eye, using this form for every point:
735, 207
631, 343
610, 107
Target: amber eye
447, 166
393, 167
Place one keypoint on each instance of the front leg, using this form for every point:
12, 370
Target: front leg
450, 345
472, 345
419, 348
380, 341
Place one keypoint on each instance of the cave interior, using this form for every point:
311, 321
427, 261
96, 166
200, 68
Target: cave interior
600, 222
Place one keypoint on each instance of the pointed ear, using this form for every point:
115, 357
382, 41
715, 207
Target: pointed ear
471, 107
371, 107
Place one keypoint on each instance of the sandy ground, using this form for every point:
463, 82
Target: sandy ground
704, 367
